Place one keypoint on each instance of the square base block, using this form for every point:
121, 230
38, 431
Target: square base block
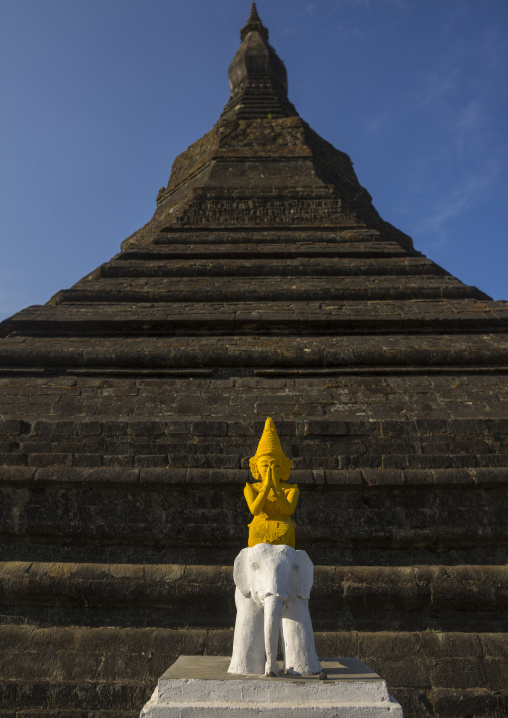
199, 686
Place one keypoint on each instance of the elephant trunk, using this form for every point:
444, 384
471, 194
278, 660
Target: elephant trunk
272, 618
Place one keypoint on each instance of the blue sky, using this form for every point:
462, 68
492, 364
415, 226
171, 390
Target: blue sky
99, 97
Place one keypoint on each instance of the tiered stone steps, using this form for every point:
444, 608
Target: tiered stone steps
107, 557
375, 288
141, 595
300, 288
259, 102
153, 486
261, 318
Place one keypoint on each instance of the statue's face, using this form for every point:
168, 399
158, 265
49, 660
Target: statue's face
272, 462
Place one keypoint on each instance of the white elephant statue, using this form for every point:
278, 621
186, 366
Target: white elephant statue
273, 585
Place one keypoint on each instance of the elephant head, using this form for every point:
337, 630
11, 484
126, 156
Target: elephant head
272, 582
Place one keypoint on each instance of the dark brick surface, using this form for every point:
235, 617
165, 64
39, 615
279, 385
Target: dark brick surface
90, 658
265, 284
365, 598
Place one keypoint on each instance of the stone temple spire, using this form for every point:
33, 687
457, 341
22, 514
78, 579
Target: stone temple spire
257, 77
254, 24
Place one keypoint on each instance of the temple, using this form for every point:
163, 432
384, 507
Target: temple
265, 284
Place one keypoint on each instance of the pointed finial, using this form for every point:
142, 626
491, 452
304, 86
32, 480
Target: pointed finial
254, 15
269, 442
269, 445
254, 24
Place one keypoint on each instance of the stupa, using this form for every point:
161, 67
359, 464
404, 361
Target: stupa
265, 284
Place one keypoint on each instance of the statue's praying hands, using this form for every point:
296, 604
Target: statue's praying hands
270, 500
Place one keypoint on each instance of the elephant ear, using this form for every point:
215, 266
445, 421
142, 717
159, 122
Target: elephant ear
305, 574
240, 572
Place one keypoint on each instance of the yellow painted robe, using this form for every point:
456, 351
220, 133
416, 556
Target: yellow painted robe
271, 525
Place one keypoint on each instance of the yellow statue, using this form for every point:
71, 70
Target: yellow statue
271, 503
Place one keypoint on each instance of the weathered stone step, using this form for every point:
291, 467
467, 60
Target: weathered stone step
260, 318
257, 235
329, 267
116, 669
253, 101
351, 457
416, 598
259, 107
89, 444
241, 433
258, 97
222, 478
209, 210
253, 114
253, 289
254, 111
457, 350
57, 468
405, 453
69, 549
264, 251
250, 107
191, 516
322, 402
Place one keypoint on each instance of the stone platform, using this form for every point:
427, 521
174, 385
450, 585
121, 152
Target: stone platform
197, 686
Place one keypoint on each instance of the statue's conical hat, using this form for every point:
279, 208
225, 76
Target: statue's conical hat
269, 442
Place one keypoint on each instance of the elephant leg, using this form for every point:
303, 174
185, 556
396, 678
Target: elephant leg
299, 647
273, 613
248, 645
282, 646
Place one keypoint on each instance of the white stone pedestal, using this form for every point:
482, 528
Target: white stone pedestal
199, 686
